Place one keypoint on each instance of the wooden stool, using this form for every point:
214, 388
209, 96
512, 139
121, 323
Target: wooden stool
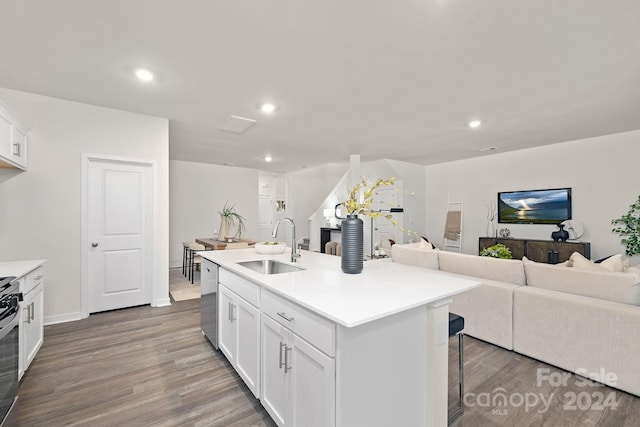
456, 325
186, 257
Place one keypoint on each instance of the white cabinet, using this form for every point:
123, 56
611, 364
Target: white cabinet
298, 380
13, 140
31, 318
239, 327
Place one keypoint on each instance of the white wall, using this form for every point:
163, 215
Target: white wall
306, 191
40, 208
198, 192
411, 177
602, 171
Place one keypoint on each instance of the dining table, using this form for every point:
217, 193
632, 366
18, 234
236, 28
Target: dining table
212, 244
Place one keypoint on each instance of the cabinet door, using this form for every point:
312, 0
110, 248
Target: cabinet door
226, 324
247, 325
33, 324
5, 134
312, 391
274, 379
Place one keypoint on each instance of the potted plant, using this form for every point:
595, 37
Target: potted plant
229, 219
497, 251
628, 227
359, 202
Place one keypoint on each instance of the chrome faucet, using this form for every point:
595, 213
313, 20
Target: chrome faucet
294, 250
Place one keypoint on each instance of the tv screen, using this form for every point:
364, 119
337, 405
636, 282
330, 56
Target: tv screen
534, 207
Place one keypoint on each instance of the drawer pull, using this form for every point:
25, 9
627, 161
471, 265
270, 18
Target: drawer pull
284, 316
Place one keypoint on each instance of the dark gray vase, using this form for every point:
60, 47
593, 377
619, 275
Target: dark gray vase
352, 244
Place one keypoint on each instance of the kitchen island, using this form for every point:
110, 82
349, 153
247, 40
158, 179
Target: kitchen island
320, 347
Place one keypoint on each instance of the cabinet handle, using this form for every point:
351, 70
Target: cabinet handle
287, 368
282, 345
284, 316
16, 149
32, 316
38, 277
232, 306
28, 308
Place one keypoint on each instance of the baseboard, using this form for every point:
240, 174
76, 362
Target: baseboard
161, 302
62, 318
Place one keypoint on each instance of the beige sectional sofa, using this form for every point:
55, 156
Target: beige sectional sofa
581, 320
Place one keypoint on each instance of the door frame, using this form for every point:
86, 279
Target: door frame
84, 224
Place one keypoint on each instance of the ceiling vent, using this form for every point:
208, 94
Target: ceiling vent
237, 124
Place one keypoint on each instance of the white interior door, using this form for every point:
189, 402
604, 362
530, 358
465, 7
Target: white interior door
383, 229
119, 234
265, 215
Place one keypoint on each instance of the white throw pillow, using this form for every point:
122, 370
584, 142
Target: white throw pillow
613, 263
425, 245
580, 262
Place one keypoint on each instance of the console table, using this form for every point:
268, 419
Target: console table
538, 250
325, 236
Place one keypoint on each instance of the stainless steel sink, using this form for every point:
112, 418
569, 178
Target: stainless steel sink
269, 266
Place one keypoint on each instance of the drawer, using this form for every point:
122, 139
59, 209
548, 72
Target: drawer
241, 286
32, 279
314, 328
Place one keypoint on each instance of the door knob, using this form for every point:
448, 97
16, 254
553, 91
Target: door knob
94, 245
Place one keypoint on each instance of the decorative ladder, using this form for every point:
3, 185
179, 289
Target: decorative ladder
454, 211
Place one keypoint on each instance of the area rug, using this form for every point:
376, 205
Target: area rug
181, 288
185, 294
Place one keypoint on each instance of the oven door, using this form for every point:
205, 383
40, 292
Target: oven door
9, 321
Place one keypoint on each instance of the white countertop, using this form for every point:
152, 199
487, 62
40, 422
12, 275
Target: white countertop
19, 268
382, 289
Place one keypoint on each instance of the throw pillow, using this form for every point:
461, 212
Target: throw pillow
613, 263
582, 263
425, 244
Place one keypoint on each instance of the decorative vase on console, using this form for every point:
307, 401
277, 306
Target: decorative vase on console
491, 230
352, 244
491, 216
561, 235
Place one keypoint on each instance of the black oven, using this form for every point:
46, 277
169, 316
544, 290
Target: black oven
10, 298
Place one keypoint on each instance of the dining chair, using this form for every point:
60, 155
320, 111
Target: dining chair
186, 260
195, 259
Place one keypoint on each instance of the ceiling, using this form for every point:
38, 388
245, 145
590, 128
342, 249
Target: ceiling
395, 79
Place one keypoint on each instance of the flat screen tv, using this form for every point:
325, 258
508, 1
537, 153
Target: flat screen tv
535, 206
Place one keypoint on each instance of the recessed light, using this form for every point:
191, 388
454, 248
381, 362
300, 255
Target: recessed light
144, 75
268, 108
475, 123
267, 158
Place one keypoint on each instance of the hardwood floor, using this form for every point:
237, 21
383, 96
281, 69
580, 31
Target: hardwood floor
141, 366
148, 366
491, 372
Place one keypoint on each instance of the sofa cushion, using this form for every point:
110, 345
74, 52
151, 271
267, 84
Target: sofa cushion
602, 284
504, 270
414, 254
493, 325
613, 263
576, 332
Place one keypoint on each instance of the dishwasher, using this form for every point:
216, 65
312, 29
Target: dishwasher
209, 301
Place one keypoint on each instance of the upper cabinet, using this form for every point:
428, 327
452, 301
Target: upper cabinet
13, 140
